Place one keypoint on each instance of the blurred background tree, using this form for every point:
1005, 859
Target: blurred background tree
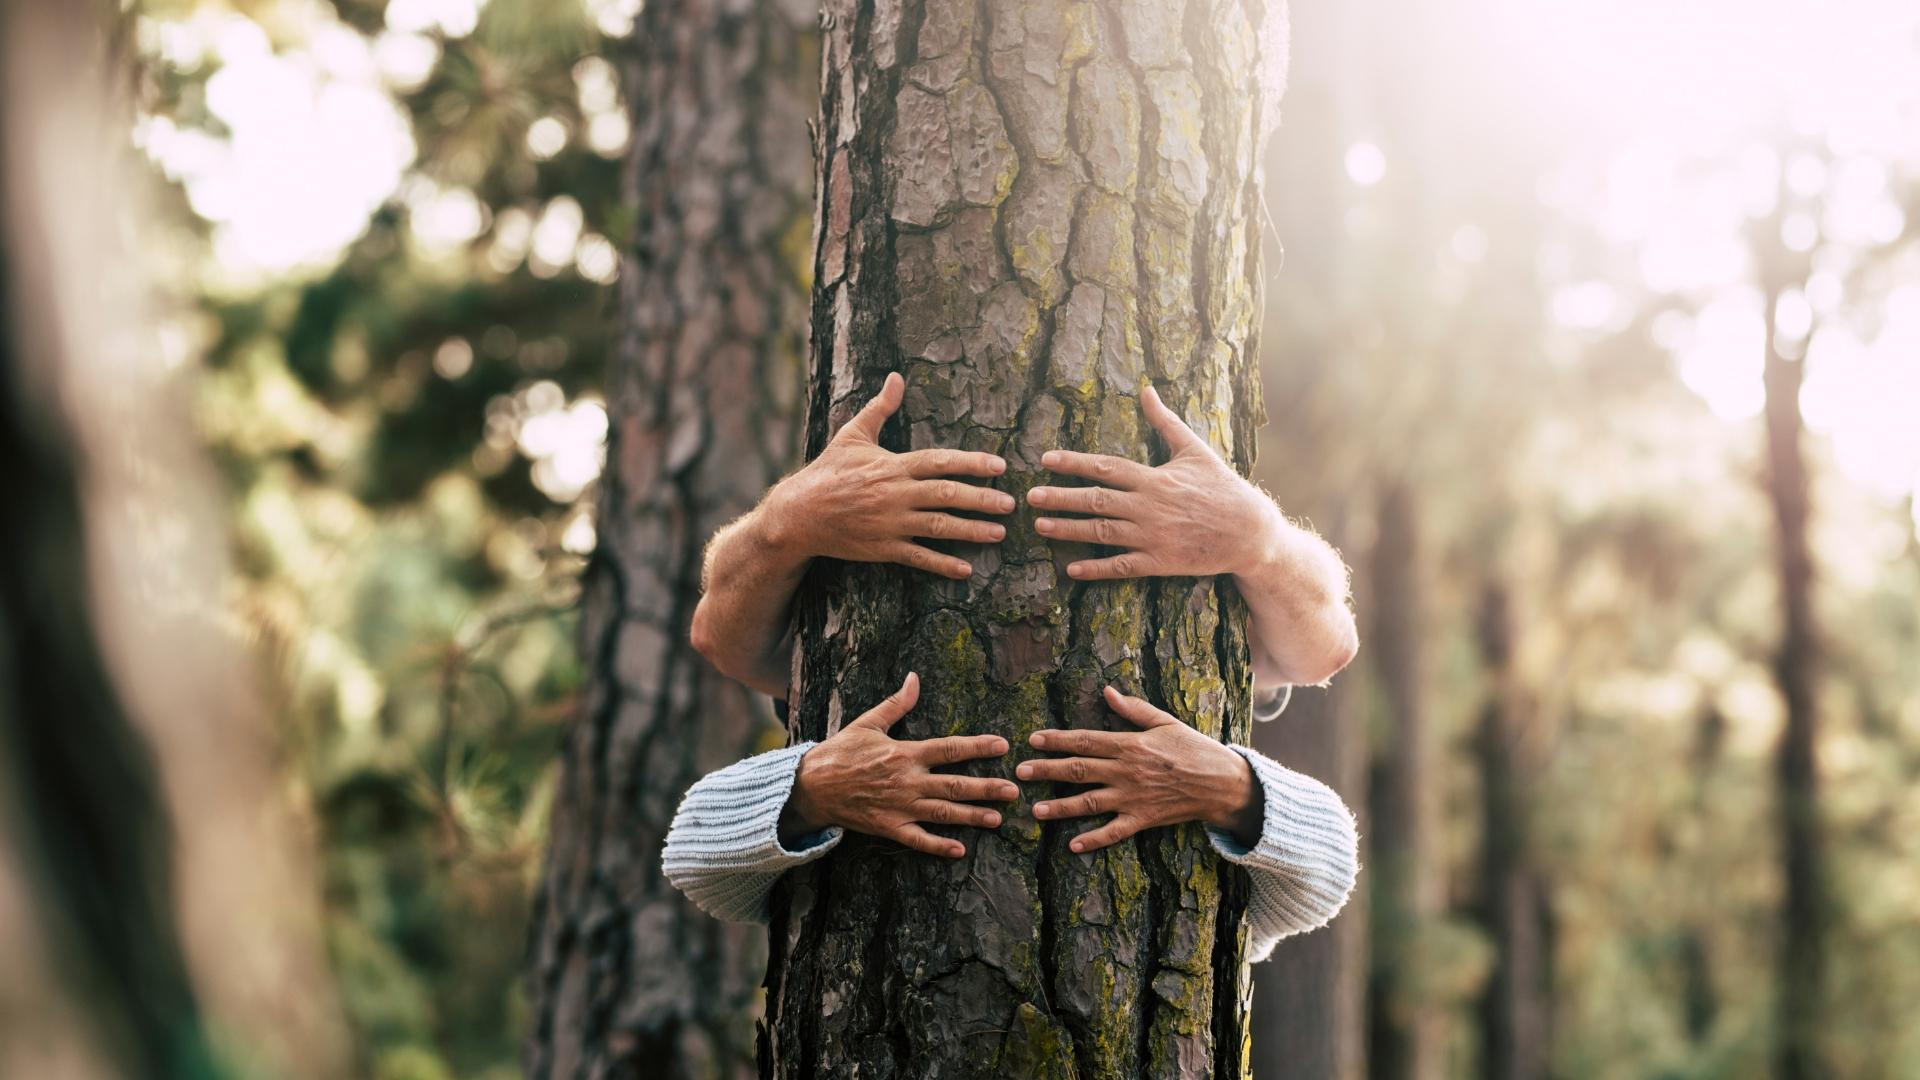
1539, 263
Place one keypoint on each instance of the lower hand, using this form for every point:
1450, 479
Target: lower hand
1193, 516
864, 780
860, 502
1166, 773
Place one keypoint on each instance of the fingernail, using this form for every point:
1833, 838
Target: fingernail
1037, 495
1044, 525
1049, 457
999, 464
999, 746
993, 821
1024, 772
1010, 791
1077, 846
1042, 809
998, 533
1075, 570
1038, 738
1007, 504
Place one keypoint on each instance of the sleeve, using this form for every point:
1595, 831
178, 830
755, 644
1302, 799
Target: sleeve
724, 848
1304, 863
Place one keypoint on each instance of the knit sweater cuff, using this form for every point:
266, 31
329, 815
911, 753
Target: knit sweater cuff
724, 848
1305, 860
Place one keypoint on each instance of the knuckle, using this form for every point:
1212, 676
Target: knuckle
1100, 500
947, 490
1077, 771
956, 789
1102, 467
1103, 531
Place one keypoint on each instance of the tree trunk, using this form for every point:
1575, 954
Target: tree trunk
1030, 210
1516, 1009
626, 977
90, 829
1405, 1032
1309, 999
1795, 669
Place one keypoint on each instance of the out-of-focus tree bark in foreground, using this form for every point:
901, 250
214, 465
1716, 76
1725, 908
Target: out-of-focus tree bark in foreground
628, 978
141, 834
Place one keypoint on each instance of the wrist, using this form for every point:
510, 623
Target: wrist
779, 526
1269, 540
1239, 799
801, 816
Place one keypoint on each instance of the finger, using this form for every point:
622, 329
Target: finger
1113, 532
965, 789
866, 423
1105, 502
1179, 437
955, 749
925, 558
898, 704
1103, 744
1132, 564
1073, 770
942, 812
956, 495
926, 464
1141, 712
1107, 469
1121, 827
949, 527
926, 843
1085, 804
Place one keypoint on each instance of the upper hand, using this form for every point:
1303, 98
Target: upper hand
1193, 516
860, 502
865, 780
1165, 774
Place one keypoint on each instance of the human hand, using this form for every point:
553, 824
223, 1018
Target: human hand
862, 503
1165, 774
865, 780
1193, 516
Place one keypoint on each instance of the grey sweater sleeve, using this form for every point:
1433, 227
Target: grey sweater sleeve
1305, 862
724, 848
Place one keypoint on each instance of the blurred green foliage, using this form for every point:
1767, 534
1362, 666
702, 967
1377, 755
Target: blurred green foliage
406, 566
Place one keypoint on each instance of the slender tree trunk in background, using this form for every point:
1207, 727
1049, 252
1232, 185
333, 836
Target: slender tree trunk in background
626, 977
1802, 960
1310, 997
1404, 1031
1516, 1010
82, 792
1031, 210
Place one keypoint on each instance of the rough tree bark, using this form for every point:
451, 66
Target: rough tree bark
1796, 671
1031, 209
1516, 1009
626, 977
1404, 1030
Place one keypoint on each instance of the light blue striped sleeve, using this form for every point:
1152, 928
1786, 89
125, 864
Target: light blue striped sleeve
1304, 863
724, 848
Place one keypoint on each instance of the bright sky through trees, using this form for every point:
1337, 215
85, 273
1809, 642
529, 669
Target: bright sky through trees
1675, 124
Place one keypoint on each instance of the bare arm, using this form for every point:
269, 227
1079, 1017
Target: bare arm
1196, 516
856, 501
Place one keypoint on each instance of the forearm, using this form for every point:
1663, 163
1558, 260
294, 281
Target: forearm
1302, 630
743, 621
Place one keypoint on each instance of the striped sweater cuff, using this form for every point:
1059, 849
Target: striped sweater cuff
1304, 863
724, 848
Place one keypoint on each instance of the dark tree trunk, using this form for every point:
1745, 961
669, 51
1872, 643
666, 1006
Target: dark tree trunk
626, 977
1795, 669
1403, 1030
1030, 210
1310, 997
83, 793
1516, 1008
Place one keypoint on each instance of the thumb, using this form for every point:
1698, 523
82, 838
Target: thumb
1143, 714
883, 716
866, 423
1180, 438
